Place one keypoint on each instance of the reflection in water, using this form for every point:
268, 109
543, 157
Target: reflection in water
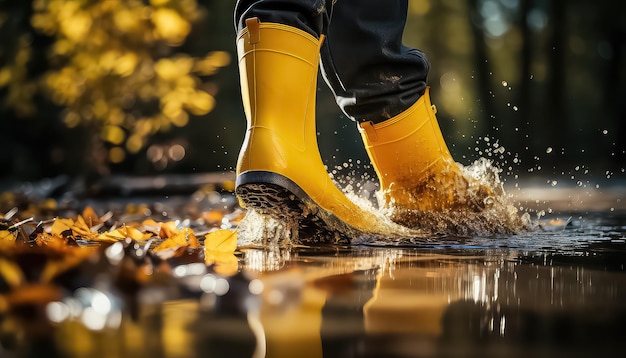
405, 303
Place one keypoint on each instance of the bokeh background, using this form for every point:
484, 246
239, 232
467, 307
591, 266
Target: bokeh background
94, 88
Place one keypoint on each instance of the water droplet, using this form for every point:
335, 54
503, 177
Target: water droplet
605, 132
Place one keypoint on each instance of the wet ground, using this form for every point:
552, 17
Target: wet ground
557, 291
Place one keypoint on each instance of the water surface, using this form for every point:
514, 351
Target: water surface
556, 291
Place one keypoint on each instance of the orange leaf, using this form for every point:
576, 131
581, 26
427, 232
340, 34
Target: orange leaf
219, 247
224, 240
60, 225
134, 233
225, 263
81, 228
151, 225
111, 236
6, 235
184, 237
91, 218
168, 229
53, 241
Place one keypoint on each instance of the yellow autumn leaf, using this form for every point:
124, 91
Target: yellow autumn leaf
170, 26
225, 263
224, 240
219, 248
200, 103
81, 228
77, 26
126, 20
184, 237
172, 69
6, 235
52, 242
60, 225
90, 216
135, 234
126, 64
123, 233
212, 62
173, 241
168, 229
113, 134
111, 236
150, 225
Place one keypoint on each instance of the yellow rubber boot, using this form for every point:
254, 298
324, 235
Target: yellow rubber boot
412, 160
279, 170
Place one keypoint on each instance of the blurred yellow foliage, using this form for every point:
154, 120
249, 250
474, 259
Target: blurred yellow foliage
116, 67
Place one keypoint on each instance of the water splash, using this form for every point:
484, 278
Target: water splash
257, 229
481, 208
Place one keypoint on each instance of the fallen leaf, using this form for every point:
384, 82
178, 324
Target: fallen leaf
168, 229
80, 228
90, 216
224, 240
60, 225
219, 248
6, 235
184, 237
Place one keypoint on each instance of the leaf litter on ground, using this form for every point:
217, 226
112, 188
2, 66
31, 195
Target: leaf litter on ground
46, 252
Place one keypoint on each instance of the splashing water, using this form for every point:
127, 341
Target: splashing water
257, 229
481, 208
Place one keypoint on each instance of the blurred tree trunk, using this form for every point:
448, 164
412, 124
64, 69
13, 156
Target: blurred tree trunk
614, 91
556, 123
523, 116
483, 69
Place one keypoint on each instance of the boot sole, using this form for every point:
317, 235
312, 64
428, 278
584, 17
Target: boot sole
279, 197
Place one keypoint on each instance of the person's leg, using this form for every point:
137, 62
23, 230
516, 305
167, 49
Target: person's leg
306, 15
279, 170
371, 73
382, 84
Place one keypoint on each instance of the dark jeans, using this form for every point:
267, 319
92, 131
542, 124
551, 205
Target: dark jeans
371, 73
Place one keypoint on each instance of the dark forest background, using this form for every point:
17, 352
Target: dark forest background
537, 86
